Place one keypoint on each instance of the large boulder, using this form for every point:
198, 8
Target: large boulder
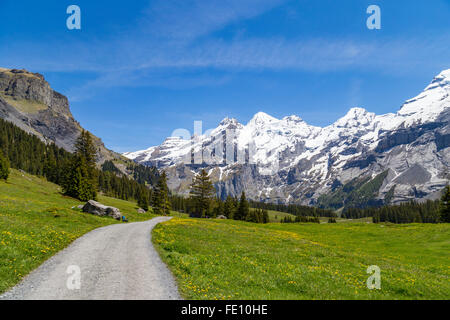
98, 209
141, 211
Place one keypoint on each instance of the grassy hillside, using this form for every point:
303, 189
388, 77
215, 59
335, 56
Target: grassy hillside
27, 106
236, 260
36, 221
276, 216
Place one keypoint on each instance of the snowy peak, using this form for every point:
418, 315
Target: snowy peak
431, 102
262, 118
293, 119
355, 117
139, 155
442, 77
229, 123
442, 80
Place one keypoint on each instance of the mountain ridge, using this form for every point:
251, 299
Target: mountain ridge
306, 160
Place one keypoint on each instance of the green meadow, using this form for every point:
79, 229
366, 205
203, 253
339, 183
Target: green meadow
216, 259
36, 221
277, 216
222, 259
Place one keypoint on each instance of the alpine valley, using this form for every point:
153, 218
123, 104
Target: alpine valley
362, 159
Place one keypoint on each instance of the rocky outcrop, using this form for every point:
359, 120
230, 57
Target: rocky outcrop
28, 101
98, 209
24, 85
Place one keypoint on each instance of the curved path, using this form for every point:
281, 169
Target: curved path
116, 262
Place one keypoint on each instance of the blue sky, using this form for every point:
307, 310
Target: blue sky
138, 70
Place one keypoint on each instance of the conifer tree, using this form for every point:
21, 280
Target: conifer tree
201, 193
161, 202
77, 183
85, 148
265, 214
243, 209
81, 174
445, 205
229, 208
4, 167
219, 208
143, 198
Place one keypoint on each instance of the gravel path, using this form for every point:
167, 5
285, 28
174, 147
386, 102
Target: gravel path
117, 262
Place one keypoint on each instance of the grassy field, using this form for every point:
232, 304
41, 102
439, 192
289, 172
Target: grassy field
276, 216
36, 221
342, 220
214, 259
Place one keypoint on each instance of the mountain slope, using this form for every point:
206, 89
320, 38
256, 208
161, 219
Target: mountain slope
28, 101
287, 160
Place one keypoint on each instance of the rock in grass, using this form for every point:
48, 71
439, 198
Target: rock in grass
98, 209
140, 210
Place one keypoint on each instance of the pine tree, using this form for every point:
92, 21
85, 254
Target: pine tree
243, 209
229, 208
265, 214
4, 167
77, 183
219, 208
85, 148
202, 191
161, 202
143, 198
81, 174
445, 205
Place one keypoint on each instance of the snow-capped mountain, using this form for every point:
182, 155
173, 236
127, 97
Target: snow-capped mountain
362, 158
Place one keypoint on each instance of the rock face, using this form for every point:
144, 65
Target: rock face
28, 101
23, 85
361, 159
98, 209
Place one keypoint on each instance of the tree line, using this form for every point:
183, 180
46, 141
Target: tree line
202, 203
409, 212
76, 172
24, 151
294, 209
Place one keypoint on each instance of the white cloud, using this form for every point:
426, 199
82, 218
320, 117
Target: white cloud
185, 20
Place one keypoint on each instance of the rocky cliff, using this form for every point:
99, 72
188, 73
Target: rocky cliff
28, 101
